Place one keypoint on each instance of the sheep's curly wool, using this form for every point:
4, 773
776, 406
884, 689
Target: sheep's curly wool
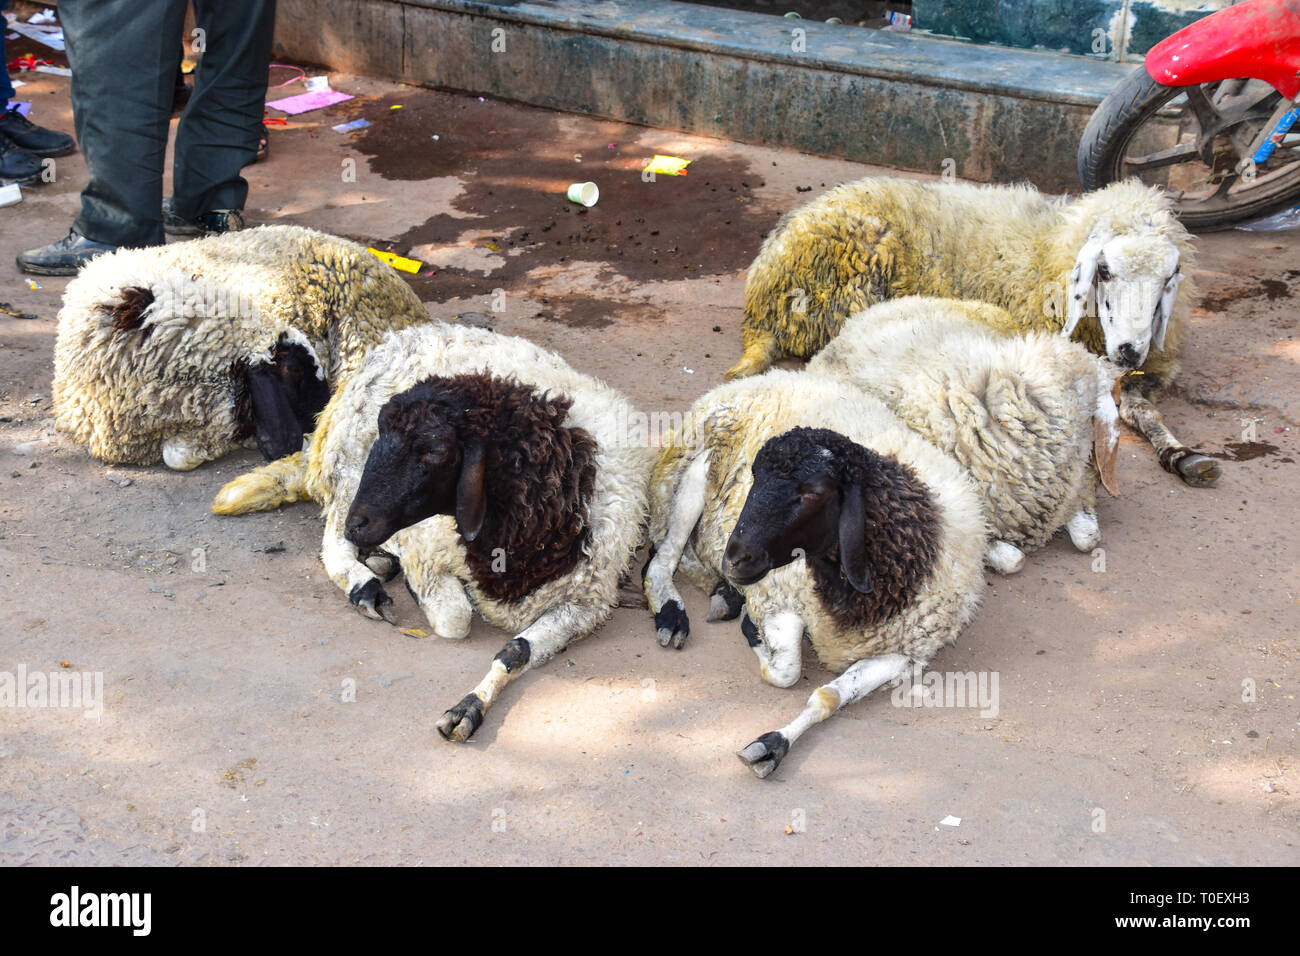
538, 480
733, 422
150, 341
880, 238
899, 517
432, 552
1016, 411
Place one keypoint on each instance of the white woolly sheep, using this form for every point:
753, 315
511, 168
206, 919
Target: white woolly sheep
1105, 267
1021, 413
830, 517
500, 478
180, 352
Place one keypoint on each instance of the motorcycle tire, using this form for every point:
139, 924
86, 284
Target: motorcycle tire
1112, 127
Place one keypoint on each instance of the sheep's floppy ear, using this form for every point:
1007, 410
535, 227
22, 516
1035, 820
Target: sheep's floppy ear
1105, 434
1080, 290
129, 312
275, 423
853, 538
471, 501
300, 375
1160, 324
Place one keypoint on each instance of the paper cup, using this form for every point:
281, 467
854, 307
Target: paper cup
584, 193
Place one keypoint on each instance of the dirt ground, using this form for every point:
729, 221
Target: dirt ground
1126, 733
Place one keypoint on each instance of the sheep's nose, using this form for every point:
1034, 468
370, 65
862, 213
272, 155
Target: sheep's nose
1128, 356
354, 526
738, 561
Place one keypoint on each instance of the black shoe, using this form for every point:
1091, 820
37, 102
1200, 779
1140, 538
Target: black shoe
209, 224
17, 165
62, 258
37, 140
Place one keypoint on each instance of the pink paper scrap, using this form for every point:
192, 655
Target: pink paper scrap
305, 102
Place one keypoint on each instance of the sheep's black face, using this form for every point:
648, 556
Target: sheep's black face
785, 517
410, 474
285, 394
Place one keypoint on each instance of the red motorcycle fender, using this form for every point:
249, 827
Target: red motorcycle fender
1258, 39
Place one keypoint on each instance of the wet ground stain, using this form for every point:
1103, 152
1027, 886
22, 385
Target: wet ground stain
1247, 451
1270, 289
515, 162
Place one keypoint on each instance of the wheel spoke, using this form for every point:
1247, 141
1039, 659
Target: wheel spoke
1182, 153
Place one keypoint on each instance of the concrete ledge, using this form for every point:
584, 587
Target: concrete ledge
998, 114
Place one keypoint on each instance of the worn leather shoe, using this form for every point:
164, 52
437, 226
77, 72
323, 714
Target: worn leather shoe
209, 224
62, 258
17, 165
37, 140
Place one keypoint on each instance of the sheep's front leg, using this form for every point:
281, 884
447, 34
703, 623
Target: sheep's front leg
671, 623
1084, 528
179, 455
1004, 557
443, 600
766, 753
535, 645
344, 567
778, 646
1197, 470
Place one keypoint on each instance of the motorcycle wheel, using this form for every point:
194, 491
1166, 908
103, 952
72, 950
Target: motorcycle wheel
1206, 170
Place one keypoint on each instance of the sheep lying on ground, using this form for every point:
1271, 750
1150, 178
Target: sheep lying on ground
1105, 268
1021, 413
499, 477
813, 504
180, 352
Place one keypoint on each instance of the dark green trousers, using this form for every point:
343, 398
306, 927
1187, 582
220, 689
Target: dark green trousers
124, 55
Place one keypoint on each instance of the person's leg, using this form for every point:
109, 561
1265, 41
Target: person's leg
124, 55
6, 88
219, 130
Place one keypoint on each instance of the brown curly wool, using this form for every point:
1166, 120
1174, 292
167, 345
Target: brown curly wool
538, 478
901, 522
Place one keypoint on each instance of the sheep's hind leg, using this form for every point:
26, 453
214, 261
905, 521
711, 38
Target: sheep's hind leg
766, 753
1197, 470
761, 350
535, 645
672, 626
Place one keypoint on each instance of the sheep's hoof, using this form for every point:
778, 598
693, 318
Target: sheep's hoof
672, 625
725, 604
383, 564
766, 753
1199, 471
459, 723
372, 601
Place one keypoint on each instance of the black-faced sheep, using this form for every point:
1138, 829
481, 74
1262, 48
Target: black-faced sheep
1020, 413
501, 479
828, 516
1107, 268
180, 352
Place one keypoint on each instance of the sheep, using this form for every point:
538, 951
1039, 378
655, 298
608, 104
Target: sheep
812, 504
1020, 413
180, 352
497, 476
1117, 259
